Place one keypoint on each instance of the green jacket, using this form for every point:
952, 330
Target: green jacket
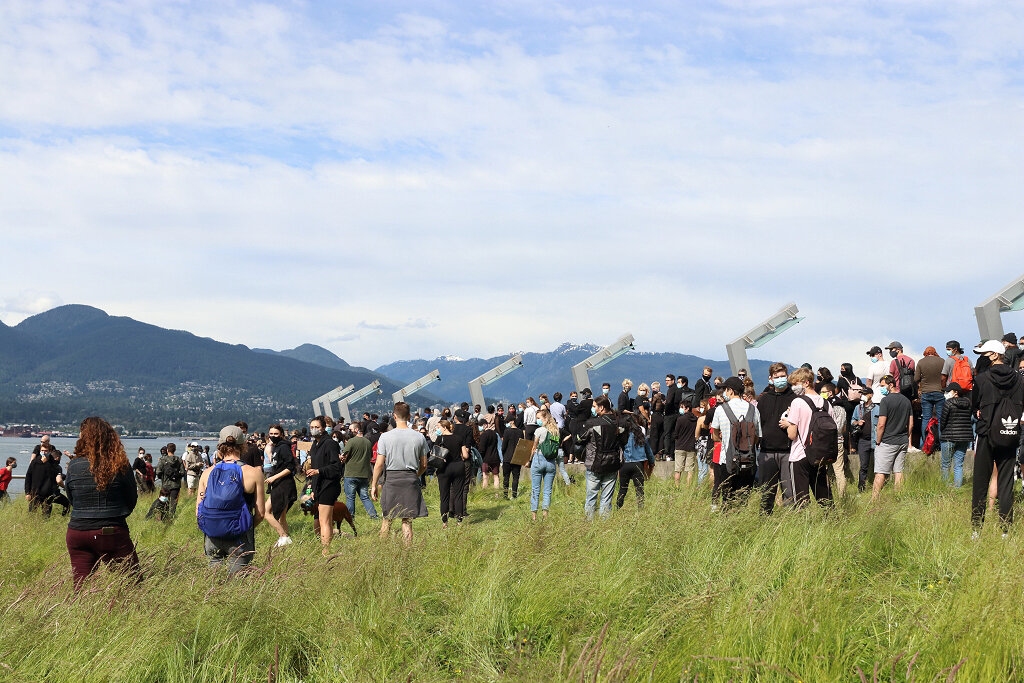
170, 470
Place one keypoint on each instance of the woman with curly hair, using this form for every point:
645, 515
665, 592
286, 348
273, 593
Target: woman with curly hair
103, 494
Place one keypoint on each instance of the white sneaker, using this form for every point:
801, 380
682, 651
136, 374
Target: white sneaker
974, 535
283, 541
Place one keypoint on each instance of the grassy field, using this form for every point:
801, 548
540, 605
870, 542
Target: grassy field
896, 592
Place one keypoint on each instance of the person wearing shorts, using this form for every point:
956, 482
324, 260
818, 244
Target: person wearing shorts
325, 465
892, 436
685, 442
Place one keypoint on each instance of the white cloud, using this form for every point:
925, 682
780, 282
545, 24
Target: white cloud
24, 303
674, 172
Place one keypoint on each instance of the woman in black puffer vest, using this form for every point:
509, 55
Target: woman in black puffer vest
957, 432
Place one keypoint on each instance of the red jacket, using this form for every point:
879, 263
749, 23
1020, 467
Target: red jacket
5, 478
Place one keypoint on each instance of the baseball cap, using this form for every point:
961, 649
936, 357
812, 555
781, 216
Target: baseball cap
991, 346
235, 434
894, 345
734, 383
874, 350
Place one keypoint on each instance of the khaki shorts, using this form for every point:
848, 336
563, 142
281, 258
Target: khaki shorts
686, 461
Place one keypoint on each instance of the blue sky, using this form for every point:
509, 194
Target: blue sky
396, 180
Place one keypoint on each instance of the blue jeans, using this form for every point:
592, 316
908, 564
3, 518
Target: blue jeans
702, 470
953, 453
561, 467
360, 485
603, 484
541, 470
931, 406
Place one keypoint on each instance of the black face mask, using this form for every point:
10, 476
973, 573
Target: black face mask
275, 440
707, 377
894, 353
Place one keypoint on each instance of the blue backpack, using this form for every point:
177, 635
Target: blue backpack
223, 511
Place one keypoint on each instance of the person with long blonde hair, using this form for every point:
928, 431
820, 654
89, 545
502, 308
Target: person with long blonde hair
103, 493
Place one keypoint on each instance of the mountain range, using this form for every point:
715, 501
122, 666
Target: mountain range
72, 361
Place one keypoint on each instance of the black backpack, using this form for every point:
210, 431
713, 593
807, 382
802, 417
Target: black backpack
740, 453
607, 446
822, 443
1004, 432
907, 386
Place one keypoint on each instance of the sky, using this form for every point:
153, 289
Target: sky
407, 180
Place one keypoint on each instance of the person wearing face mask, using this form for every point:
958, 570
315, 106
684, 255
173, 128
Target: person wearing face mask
773, 457
1012, 354
356, 458
841, 467
685, 441
542, 463
432, 421
998, 401
603, 439
702, 389
325, 465
281, 480
530, 417
558, 411
892, 436
642, 404
668, 445
862, 430
625, 403
928, 376
957, 367
509, 470
657, 418
805, 477
902, 368
702, 440
957, 432
488, 446
876, 371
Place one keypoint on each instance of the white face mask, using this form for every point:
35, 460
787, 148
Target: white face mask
950, 394
798, 389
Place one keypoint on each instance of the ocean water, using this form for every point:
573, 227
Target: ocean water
22, 450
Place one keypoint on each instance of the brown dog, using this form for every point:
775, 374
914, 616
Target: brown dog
341, 514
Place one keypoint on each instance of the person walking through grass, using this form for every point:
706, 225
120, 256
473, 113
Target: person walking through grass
170, 470
281, 481
542, 464
509, 470
402, 455
325, 465
231, 500
602, 439
450, 477
5, 478
103, 493
356, 456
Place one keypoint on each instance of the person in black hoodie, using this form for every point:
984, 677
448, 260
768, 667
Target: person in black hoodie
668, 446
578, 417
625, 403
325, 465
508, 448
999, 404
1012, 353
773, 457
685, 442
703, 389
957, 432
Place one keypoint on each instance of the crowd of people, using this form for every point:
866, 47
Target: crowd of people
802, 435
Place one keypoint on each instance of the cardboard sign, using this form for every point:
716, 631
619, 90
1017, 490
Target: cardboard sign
524, 449
304, 446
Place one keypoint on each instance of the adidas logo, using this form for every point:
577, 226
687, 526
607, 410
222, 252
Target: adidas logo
1009, 426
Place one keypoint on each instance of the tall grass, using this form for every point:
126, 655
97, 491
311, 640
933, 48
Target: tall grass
893, 592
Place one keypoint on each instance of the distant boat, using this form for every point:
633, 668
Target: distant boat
18, 431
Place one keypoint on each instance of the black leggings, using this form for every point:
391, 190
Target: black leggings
985, 457
631, 472
449, 482
507, 470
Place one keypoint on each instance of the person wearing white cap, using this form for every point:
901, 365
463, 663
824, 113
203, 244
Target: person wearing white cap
998, 400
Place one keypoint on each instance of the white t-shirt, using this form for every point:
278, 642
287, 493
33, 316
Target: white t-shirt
876, 371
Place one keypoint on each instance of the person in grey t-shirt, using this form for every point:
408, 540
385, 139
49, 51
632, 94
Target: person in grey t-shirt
402, 454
